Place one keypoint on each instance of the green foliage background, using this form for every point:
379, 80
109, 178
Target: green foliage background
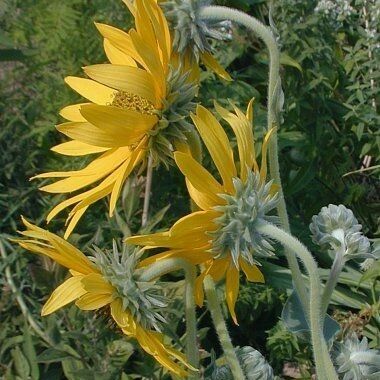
329, 124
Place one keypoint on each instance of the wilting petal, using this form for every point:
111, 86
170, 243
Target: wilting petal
214, 65
232, 289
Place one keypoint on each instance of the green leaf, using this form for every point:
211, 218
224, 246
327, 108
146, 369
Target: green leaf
30, 353
289, 61
70, 367
20, 363
295, 320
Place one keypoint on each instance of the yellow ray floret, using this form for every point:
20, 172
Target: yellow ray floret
193, 237
91, 290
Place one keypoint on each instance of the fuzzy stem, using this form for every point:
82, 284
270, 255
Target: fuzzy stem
331, 282
163, 267
221, 328
148, 187
24, 308
325, 368
218, 13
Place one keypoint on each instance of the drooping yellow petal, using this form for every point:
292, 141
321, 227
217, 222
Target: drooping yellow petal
73, 222
126, 125
69, 291
117, 56
91, 90
263, 168
202, 200
200, 178
77, 148
124, 78
93, 301
95, 283
252, 272
72, 112
215, 66
123, 318
60, 250
217, 144
249, 112
232, 290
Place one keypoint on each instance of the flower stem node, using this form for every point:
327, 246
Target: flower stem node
336, 227
237, 234
191, 32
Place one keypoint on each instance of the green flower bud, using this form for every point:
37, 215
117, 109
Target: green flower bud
356, 361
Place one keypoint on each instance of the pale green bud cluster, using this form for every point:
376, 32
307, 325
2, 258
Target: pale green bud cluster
173, 123
237, 234
191, 32
142, 299
336, 227
356, 361
253, 364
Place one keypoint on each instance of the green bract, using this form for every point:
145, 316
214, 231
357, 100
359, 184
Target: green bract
237, 234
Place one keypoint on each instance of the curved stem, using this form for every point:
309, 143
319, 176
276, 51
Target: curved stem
221, 329
218, 13
331, 282
163, 267
148, 187
325, 368
24, 308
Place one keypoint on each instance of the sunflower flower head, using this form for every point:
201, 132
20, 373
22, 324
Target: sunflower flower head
136, 106
222, 237
237, 236
109, 281
144, 300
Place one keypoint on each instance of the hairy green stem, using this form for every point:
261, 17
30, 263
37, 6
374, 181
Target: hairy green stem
24, 308
213, 304
218, 13
324, 366
331, 282
163, 267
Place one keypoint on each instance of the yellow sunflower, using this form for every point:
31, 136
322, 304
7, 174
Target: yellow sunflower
221, 237
137, 104
107, 280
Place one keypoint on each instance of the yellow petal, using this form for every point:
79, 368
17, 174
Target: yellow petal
73, 222
72, 113
232, 290
95, 283
215, 66
124, 78
91, 90
249, 113
218, 269
196, 222
69, 291
252, 272
244, 137
89, 134
60, 250
199, 178
126, 125
263, 169
77, 148
93, 301
217, 144
119, 39
202, 200
123, 318
116, 56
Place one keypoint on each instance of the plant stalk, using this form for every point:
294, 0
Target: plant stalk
324, 366
219, 13
163, 267
221, 329
148, 188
